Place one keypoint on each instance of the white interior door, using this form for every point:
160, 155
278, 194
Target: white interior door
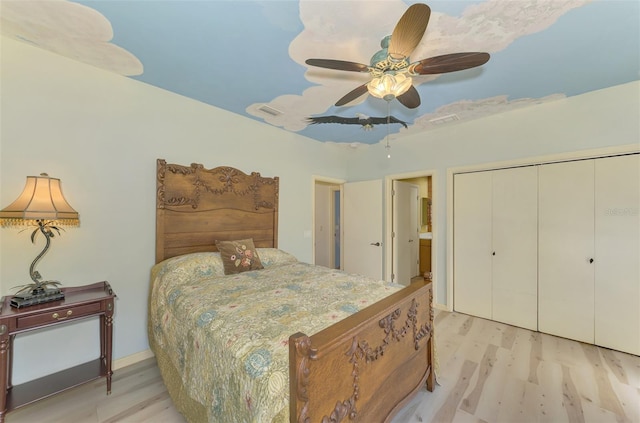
472, 244
515, 246
362, 231
566, 250
405, 232
617, 258
337, 227
414, 226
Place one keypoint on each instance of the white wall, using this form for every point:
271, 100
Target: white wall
101, 134
599, 119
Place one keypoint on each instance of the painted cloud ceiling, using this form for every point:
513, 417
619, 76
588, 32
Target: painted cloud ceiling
248, 57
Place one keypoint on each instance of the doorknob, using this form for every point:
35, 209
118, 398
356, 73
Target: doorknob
377, 244
590, 260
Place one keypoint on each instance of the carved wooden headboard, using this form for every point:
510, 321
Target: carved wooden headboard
197, 206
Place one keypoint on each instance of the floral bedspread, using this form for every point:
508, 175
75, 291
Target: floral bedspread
228, 335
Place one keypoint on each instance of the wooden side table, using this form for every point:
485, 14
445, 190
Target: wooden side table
79, 303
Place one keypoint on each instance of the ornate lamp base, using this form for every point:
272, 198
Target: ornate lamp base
38, 295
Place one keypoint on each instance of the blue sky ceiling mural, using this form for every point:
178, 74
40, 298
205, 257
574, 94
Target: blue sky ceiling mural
248, 57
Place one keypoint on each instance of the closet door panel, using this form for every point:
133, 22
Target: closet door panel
565, 249
472, 244
515, 243
617, 265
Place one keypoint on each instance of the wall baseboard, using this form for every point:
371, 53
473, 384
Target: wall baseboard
132, 359
440, 306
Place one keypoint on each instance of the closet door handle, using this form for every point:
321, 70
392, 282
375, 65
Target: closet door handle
493, 254
590, 260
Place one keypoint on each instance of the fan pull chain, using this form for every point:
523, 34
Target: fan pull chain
388, 146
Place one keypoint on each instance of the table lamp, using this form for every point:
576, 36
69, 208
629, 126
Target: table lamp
42, 205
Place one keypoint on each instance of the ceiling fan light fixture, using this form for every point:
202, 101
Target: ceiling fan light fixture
389, 86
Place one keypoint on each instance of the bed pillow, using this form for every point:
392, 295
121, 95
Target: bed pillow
185, 267
239, 256
275, 257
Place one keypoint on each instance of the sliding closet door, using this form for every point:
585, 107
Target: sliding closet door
472, 244
515, 246
617, 265
566, 250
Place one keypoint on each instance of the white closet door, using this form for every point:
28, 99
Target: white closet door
515, 244
566, 250
617, 265
472, 244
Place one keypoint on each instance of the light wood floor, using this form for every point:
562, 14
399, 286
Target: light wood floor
488, 372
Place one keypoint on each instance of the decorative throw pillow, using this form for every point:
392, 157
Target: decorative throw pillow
239, 256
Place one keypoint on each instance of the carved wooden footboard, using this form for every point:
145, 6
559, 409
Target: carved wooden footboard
366, 367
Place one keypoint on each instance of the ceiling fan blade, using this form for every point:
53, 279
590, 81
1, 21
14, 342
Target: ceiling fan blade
338, 65
448, 63
410, 99
352, 95
409, 31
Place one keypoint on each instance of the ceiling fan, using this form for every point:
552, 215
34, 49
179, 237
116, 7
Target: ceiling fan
391, 68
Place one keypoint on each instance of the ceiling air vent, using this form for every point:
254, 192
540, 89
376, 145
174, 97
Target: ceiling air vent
269, 110
445, 119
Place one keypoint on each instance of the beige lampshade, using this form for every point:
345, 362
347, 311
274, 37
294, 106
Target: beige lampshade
41, 199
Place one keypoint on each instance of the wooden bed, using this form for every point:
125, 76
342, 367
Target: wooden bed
363, 368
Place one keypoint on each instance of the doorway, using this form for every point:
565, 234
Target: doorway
348, 226
426, 238
406, 231
327, 219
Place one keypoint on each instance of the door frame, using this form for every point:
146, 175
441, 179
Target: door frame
388, 219
336, 185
